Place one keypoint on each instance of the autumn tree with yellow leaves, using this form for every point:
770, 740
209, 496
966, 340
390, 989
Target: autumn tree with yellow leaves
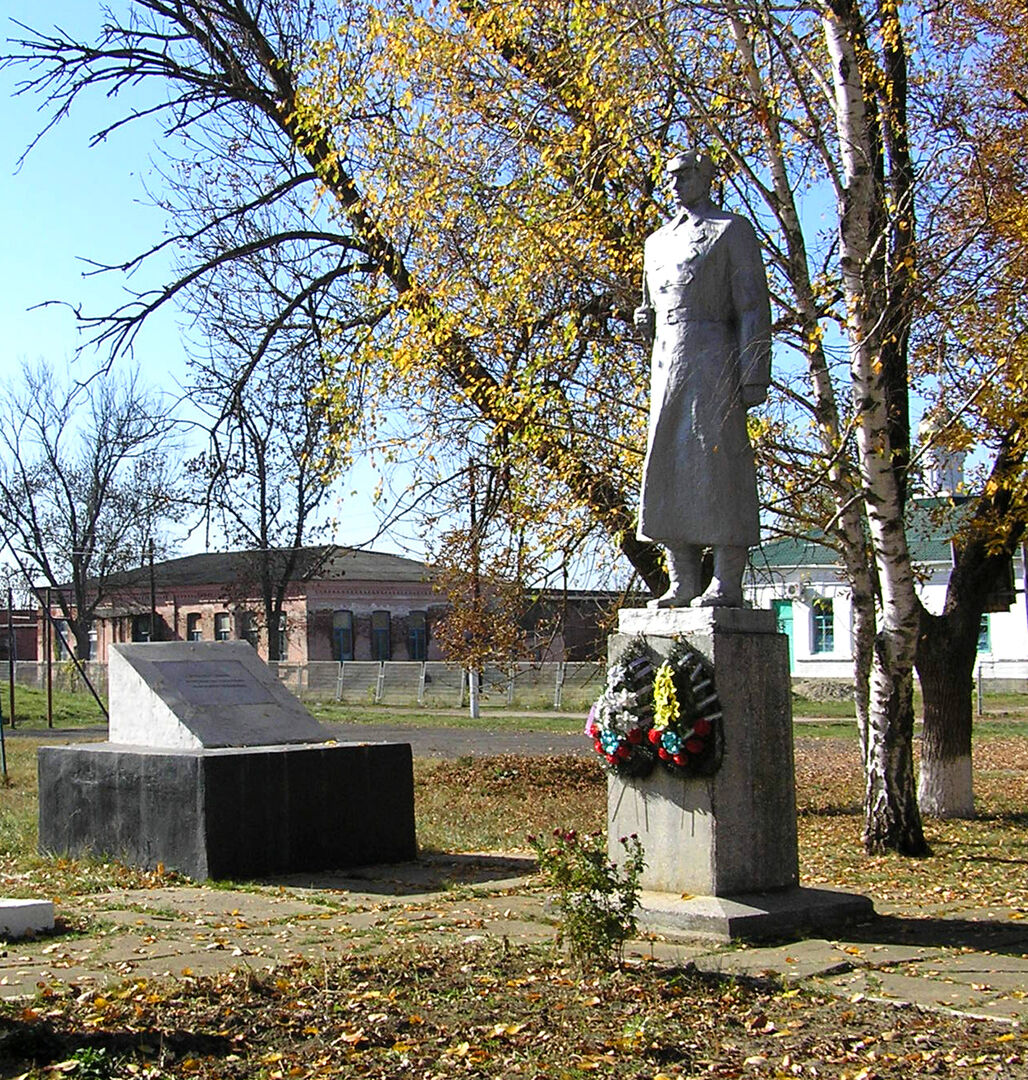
972, 360
485, 174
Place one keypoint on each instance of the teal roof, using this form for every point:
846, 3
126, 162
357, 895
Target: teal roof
931, 526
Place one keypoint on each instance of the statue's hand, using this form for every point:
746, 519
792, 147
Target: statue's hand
646, 321
753, 394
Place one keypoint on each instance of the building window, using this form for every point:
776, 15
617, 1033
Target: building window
283, 637
194, 631
248, 628
94, 641
823, 625
141, 627
60, 639
380, 635
417, 635
342, 635
222, 626
984, 642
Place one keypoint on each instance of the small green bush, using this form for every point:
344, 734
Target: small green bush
595, 898
94, 1063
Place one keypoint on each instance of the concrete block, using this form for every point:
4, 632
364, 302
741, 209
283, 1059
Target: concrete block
21, 918
230, 812
733, 832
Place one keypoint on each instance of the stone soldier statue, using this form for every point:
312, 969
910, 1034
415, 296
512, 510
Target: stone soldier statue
705, 306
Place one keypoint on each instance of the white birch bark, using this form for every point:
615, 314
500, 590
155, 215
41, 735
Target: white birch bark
892, 819
845, 493
945, 787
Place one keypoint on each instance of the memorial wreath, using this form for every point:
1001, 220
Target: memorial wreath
669, 714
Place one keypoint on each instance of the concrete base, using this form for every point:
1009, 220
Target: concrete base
22, 918
733, 832
230, 813
788, 913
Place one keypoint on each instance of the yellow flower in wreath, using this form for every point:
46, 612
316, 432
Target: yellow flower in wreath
665, 700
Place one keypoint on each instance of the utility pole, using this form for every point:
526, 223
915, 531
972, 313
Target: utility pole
10, 664
153, 598
11, 651
48, 651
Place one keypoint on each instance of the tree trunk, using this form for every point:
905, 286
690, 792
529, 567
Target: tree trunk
892, 819
83, 645
945, 660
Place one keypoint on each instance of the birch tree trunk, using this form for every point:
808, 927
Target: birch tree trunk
892, 819
848, 528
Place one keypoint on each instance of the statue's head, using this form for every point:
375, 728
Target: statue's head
689, 175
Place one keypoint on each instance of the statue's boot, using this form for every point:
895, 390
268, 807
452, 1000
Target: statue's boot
684, 570
725, 588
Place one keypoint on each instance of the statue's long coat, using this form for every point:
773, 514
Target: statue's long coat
704, 280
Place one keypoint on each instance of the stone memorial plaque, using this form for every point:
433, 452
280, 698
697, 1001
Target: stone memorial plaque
189, 695
215, 682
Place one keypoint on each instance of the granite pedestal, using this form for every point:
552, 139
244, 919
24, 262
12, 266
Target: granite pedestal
215, 770
230, 812
731, 835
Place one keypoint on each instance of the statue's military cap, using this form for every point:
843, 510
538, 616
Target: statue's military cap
690, 159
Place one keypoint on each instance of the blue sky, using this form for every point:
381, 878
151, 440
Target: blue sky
69, 202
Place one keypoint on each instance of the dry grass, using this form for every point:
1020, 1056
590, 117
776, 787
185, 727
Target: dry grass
494, 804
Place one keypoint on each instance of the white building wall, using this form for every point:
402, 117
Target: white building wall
1005, 658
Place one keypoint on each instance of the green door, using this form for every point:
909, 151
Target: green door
783, 616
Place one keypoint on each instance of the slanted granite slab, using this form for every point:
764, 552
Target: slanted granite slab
193, 694
230, 812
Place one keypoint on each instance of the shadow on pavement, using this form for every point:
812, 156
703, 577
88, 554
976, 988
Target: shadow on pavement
981, 935
429, 874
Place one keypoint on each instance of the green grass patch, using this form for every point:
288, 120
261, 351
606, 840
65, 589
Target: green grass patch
802, 706
562, 723
70, 710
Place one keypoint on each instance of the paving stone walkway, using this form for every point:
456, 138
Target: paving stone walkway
971, 963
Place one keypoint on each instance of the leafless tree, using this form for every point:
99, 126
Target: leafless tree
85, 483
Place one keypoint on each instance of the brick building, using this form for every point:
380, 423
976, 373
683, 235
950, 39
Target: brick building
343, 604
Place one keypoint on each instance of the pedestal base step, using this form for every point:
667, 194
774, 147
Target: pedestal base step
786, 913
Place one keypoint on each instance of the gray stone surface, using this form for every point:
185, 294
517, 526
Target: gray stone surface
733, 832
755, 916
21, 918
666, 622
230, 813
705, 305
194, 694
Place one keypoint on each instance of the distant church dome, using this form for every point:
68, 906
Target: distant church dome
942, 468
